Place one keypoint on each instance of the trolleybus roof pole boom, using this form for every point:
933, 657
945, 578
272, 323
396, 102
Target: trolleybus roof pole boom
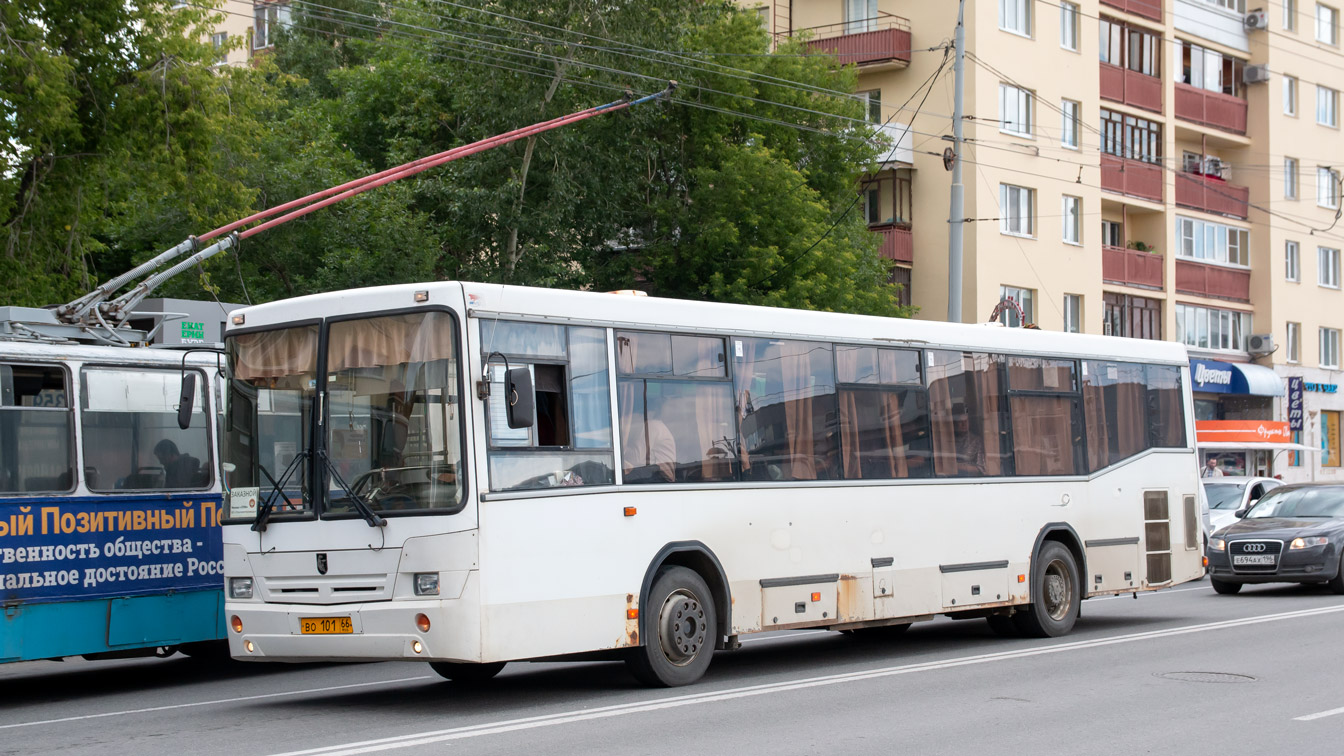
119, 309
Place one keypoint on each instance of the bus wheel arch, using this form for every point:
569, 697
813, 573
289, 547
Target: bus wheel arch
1066, 535
698, 558
1057, 545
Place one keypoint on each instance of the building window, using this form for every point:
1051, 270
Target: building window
763, 17
1330, 438
1068, 26
1110, 234
220, 41
1015, 106
1292, 263
1024, 298
1290, 178
1212, 242
1327, 267
872, 101
1130, 137
1327, 24
1072, 217
1330, 347
1294, 345
860, 16
1211, 328
1327, 188
1290, 15
1236, 6
1327, 106
1210, 70
1017, 210
872, 205
1073, 313
1015, 16
268, 18
1071, 112
1290, 95
1132, 317
1126, 47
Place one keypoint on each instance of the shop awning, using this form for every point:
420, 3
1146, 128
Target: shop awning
1216, 377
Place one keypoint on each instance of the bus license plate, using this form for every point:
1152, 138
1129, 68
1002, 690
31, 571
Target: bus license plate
1261, 559
326, 626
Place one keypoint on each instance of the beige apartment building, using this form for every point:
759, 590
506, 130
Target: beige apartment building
248, 21
1158, 169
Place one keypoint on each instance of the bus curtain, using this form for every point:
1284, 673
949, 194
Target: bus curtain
392, 340
276, 354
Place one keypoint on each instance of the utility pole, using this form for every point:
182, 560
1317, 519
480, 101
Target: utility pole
957, 213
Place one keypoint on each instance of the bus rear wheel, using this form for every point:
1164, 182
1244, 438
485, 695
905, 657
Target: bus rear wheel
679, 640
467, 674
1054, 594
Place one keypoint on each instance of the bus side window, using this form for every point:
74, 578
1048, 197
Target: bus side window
1047, 416
1115, 407
884, 413
788, 415
1166, 409
36, 429
131, 437
966, 399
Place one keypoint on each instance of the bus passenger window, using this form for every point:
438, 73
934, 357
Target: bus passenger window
552, 409
131, 437
1115, 405
788, 416
1166, 411
1047, 416
966, 400
884, 414
35, 430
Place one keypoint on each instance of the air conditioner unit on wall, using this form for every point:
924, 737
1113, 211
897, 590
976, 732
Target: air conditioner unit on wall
1214, 167
1260, 343
1256, 19
1255, 74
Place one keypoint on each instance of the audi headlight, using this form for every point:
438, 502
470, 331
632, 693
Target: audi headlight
426, 583
240, 588
1217, 544
1306, 542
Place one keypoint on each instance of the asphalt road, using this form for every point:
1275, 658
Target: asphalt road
1180, 671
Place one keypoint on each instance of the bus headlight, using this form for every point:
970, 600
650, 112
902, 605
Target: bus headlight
240, 588
426, 583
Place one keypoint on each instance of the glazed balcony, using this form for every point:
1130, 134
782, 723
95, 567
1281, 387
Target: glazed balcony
1130, 267
1131, 87
866, 42
1212, 195
1132, 177
1151, 9
1209, 280
1213, 109
897, 242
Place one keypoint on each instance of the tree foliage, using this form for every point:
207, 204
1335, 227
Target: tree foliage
740, 187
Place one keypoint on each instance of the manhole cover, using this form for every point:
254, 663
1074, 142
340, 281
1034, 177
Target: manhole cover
1206, 677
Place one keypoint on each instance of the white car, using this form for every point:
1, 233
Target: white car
1228, 494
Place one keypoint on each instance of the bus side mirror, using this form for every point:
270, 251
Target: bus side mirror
519, 395
186, 401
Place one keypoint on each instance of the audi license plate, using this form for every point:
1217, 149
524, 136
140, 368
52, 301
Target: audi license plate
1253, 559
326, 626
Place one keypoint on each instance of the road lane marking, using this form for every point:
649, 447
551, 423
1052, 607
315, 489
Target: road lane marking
217, 701
1319, 715
548, 720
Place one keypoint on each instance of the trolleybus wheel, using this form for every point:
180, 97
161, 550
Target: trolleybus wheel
1054, 594
467, 673
1223, 587
679, 640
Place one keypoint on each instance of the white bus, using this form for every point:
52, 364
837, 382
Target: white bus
472, 474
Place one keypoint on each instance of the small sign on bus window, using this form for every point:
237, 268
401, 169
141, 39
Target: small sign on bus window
243, 502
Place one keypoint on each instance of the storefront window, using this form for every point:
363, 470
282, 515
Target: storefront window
1330, 439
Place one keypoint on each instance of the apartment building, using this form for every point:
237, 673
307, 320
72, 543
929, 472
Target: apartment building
252, 22
1157, 169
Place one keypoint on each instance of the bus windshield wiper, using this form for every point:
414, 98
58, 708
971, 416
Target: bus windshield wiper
365, 511
277, 490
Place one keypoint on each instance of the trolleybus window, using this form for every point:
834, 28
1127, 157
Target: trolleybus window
569, 442
884, 413
676, 408
394, 433
131, 437
269, 412
36, 428
787, 409
1047, 417
970, 419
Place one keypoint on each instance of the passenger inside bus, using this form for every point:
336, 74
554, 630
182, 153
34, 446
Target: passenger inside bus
179, 470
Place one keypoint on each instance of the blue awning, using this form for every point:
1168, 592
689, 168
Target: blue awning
1216, 377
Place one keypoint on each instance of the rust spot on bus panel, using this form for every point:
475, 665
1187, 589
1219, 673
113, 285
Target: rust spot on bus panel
631, 635
848, 600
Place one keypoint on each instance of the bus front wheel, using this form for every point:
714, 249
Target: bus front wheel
679, 640
1054, 594
467, 674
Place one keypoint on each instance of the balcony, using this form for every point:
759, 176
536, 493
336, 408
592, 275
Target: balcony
897, 243
1213, 109
1132, 177
1213, 280
867, 42
1131, 87
1130, 267
1212, 195
1151, 9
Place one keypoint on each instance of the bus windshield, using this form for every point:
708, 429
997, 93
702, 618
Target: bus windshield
270, 405
393, 431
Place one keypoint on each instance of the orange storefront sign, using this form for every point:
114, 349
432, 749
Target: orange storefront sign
1242, 431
